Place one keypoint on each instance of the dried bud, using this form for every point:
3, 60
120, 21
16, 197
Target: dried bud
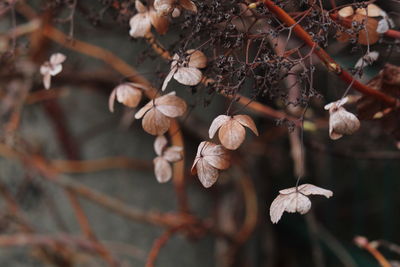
341, 122
295, 200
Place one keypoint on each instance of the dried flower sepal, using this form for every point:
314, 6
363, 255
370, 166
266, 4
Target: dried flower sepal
51, 68
128, 94
165, 156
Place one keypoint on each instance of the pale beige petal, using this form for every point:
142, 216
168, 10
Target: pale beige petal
188, 76
45, 68
287, 191
342, 122
216, 155
160, 23
173, 154
140, 25
277, 208
111, 101
171, 105
176, 13
309, 189
162, 170
346, 12
197, 59
247, 121
47, 80
189, 5
168, 78
164, 7
231, 134
200, 148
193, 170
128, 95
57, 58
155, 123
217, 123
55, 69
298, 203
140, 7
144, 109
159, 144
372, 10
207, 174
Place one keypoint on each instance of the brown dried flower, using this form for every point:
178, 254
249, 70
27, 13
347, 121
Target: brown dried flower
341, 122
186, 70
165, 156
165, 7
141, 23
128, 94
51, 68
210, 158
157, 113
295, 200
231, 129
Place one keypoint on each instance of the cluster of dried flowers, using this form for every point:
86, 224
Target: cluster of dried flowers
51, 68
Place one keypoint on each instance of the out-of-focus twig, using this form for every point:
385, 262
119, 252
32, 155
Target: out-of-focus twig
363, 242
157, 245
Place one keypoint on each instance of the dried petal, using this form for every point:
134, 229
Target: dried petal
160, 23
169, 77
231, 134
176, 13
162, 170
247, 121
155, 123
159, 144
307, 189
367, 59
197, 59
346, 12
189, 5
188, 76
164, 7
217, 123
47, 80
372, 10
342, 122
207, 174
173, 154
144, 109
57, 58
140, 25
128, 94
111, 100
140, 7
383, 26
170, 105
215, 155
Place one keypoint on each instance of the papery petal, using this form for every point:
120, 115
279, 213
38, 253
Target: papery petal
383, 26
171, 105
140, 25
173, 154
47, 80
140, 7
162, 170
231, 134
342, 122
57, 58
277, 208
291, 203
45, 68
176, 13
128, 95
155, 123
309, 189
247, 121
168, 78
164, 7
346, 12
188, 76
111, 100
372, 10
55, 69
216, 155
197, 59
144, 109
207, 174
159, 144
189, 5
217, 123
160, 23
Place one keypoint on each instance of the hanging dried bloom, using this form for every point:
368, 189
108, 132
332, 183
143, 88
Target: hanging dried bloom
367, 59
165, 156
210, 158
128, 94
157, 113
341, 122
52, 68
295, 200
141, 22
165, 7
231, 129
186, 70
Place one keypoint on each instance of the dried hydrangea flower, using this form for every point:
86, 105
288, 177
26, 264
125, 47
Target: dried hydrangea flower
165, 156
128, 94
341, 122
165, 7
231, 129
295, 200
367, 59
51, 68
157, 113
210, 158
186, 70
140, 23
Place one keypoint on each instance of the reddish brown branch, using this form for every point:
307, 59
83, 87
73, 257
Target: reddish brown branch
324, 57
157, 245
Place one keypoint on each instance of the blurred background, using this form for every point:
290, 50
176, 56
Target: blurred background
77, 185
